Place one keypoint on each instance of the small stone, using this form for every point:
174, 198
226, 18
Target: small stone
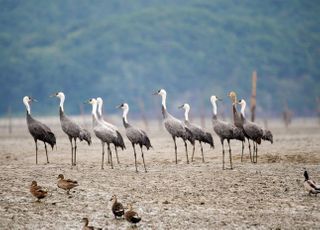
165, 202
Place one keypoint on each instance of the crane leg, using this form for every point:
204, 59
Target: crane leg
35, 141
193, 150
186, 147
102, 161
108, 158
222, 153
230, 155
256, 152
251, 159
115, 149
135, 156
75, 152
110, 153
242, 145
70, 138
45, 147
144, 164
175, 148
202, 152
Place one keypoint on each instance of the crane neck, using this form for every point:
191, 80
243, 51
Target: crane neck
99, 110
164, 97
27, 107
243, 107
62, 98
94, 111
186, 114
124, 115
214, 108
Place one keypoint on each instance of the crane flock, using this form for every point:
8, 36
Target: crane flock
240, 129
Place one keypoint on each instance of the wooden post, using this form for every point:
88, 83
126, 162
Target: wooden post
253, 96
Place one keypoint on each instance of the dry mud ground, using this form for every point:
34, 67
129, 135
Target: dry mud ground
267, 195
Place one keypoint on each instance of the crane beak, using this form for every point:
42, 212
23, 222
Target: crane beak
52, 95
155, 93
219, 99
118, 106
32, 99
180, 107
86, 102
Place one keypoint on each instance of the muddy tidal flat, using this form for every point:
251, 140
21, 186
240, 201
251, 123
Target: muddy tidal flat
266, 195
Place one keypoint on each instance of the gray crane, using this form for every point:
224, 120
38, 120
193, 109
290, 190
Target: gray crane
100, 118
237, 121
174, 126
105, 133
135, 135
38, 130
224, 130
72, 129
198, 133
252, 130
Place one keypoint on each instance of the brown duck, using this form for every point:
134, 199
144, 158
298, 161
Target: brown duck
38, 191
131, 216
117, 207
86, 223
66, 184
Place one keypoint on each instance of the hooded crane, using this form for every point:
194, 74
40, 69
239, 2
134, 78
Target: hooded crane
174, 126
224, 130
135, 135
100, 118
105, 133
38, 130
72, 129
237, 121
252, 130
198, 133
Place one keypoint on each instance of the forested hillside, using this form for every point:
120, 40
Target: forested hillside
125, 50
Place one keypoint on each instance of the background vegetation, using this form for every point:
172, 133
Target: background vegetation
125, 50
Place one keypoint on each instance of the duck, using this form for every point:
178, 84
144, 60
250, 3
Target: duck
310, 186
117, 207
66, 184
38, 191
85, 220
131, 216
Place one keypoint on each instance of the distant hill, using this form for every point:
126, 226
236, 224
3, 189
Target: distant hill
125, 50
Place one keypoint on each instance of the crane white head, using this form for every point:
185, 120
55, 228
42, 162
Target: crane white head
243, 104
61, 96
214, 100
186, 108
125, 108
163, 94
94, 104
26, 100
